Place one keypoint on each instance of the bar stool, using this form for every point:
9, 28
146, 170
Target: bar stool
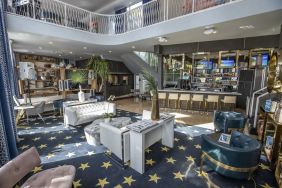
162, 100
211, 99
184, 100
172, 97
199, 99
229, 100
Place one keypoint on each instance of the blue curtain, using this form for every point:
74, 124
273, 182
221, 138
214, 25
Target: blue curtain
8, 133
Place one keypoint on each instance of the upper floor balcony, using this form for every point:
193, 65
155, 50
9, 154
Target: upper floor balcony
156, 11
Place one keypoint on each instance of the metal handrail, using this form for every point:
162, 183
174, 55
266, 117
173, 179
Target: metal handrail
64, 14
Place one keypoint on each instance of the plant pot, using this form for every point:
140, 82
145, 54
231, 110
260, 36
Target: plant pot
155, 115
107, 120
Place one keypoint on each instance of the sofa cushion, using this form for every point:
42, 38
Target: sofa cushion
17, 168
60, 177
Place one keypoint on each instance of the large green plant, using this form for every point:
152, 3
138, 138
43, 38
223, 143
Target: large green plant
151, 82
152, 86
101, 69
79, 77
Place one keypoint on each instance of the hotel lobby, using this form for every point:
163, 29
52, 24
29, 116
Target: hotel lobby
141, 93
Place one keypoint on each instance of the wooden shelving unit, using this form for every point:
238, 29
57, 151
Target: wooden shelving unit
273, 154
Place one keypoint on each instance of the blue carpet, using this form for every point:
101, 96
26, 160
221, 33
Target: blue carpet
165, 168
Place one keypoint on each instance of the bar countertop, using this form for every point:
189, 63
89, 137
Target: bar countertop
201, 92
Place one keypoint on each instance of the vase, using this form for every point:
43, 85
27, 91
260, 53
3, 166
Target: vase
107, 120
81, 95
155, 115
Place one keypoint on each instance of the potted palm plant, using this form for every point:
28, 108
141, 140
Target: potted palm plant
100, 68
78, 78
152, 86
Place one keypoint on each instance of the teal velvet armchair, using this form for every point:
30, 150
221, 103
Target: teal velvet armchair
224, 121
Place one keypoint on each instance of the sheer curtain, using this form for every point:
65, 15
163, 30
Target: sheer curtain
8, 149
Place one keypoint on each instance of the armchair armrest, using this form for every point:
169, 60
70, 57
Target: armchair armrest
111, 137
70, 116
16, 169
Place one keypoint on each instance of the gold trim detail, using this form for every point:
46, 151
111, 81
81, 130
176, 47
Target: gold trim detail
231, 168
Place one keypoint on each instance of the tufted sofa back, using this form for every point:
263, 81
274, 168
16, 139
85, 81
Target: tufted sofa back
89, 108
16, 169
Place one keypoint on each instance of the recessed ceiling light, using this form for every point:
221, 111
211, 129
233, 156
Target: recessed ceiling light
70, 52
133, 47
50, 42
162, 39
110, 51
85, 48
246, 27
40, 47
60, 55
80, 57
210, 30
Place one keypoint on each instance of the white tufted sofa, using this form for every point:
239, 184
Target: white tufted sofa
76, 115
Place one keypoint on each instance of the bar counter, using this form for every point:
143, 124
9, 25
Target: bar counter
200, 92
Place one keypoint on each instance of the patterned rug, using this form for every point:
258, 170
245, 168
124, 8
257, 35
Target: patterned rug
165, 168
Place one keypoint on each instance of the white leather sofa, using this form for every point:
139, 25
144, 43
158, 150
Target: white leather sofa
84, 113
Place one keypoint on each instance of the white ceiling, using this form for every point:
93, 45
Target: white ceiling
265, 24
101, 6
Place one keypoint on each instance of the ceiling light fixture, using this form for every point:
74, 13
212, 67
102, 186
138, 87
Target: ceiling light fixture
70, 52
133, 47
80, 57
110, 51
40, 48
60, 55
85, 48
210, 30
50, 42
247, 27
162, 39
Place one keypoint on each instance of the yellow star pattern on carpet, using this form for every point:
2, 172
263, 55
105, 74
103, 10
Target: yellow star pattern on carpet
52, 138
178, 175
43, 146
148, 150
76, 184
190, 138
106, 165
176, 139
129, 180
150, 162
266, 186
154, 178
67, 137
102, 182
24, 147
190, 158
50, 155
181, 148
170, 160
201, 174
165, 149
37, 138
118, 186
83, 166
37, 169
197, 146
264, 167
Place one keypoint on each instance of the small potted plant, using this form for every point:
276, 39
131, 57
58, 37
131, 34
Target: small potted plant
108, 117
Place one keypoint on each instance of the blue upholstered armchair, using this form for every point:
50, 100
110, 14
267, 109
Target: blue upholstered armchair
228, 120
239, 159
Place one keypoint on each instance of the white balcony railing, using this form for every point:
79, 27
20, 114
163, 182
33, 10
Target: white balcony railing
60, 13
